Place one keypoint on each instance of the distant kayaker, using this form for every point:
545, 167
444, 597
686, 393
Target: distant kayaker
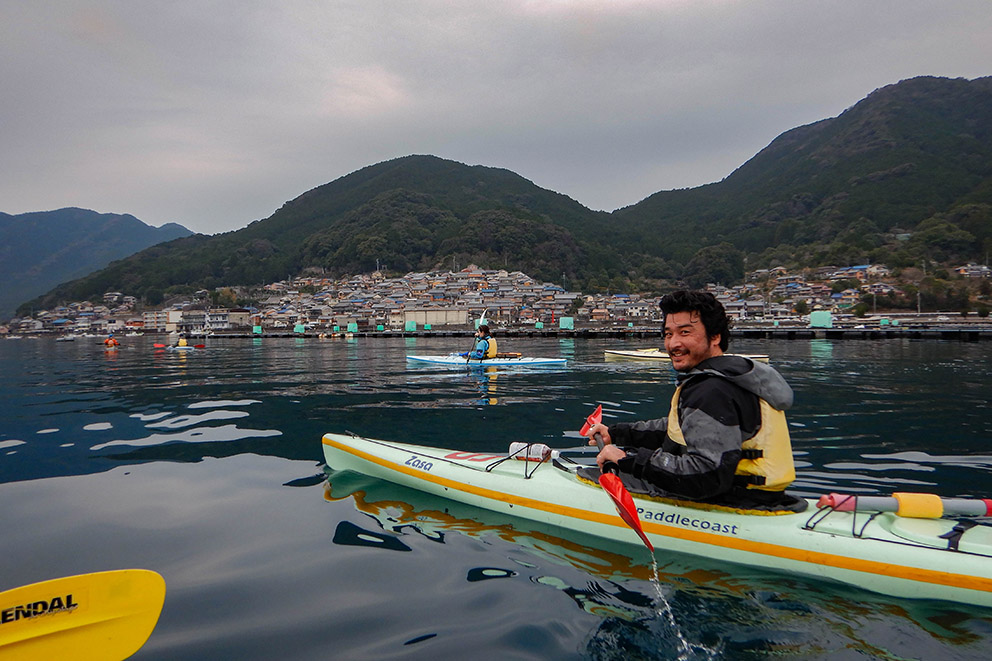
725, 440
111, 341
485, 346
182, 340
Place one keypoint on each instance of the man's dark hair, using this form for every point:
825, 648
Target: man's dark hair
710, 311
484, 328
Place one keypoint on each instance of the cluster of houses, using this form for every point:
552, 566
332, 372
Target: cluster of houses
775, 292
455, 298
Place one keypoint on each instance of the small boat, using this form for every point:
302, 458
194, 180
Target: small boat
186, 348
660, 354
919, 558
503, 360
66, 338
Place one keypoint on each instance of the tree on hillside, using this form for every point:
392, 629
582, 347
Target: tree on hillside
722, 264
937, 239
840, 285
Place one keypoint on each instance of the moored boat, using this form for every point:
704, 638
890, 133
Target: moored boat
923, 558
657, 354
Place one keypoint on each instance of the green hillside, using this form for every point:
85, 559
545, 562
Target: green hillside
903, 175
41, 249
411, 213
834, 191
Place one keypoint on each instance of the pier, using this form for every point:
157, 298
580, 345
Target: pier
959, 334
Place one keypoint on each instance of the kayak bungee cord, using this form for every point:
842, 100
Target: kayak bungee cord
540, 455
953, 536
484, 469
822, 513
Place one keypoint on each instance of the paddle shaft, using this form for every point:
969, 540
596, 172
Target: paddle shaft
482, 320
613, 486
609, 466
923, 506
468, 355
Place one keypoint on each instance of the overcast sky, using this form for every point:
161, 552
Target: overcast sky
213, 114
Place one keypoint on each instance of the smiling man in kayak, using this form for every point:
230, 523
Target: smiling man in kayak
725, 440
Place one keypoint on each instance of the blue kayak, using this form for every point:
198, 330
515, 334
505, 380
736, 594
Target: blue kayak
456, 360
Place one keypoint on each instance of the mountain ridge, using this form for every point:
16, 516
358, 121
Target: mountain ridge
41, 249
913, 158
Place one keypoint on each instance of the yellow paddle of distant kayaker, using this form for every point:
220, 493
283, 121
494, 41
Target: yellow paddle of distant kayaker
105, 615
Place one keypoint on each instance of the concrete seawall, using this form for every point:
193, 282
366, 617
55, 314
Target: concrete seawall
779, 333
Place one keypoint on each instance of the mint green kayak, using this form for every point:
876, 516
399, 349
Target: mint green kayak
917, 558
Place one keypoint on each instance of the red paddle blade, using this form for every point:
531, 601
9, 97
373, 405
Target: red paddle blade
624, 504
594, 419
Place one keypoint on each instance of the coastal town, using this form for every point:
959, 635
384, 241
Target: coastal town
373, 302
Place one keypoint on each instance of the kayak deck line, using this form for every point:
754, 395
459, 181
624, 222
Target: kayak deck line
474, 490
803, 559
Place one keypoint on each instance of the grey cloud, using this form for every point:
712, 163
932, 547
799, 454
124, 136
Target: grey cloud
213, 115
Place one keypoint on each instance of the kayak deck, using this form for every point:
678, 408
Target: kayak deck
881, 552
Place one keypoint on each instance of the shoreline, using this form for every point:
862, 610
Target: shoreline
779, 333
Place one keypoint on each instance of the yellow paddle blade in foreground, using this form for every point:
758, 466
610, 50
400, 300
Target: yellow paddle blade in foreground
104, 615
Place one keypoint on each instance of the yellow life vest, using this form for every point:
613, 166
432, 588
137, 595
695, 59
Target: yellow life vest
767, 461
182, 342
491, 351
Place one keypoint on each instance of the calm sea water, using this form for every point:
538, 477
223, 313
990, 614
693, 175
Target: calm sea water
207, 467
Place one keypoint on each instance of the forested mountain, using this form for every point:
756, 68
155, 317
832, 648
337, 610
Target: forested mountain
915, 157
903, 175
40, 250
411, 213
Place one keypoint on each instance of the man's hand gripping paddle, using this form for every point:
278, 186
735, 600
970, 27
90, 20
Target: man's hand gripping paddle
612, 484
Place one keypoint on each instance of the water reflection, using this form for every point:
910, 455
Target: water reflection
486, 379
207, 467
859, 405
716, 610
821, 350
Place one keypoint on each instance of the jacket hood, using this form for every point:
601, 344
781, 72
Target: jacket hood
759, 378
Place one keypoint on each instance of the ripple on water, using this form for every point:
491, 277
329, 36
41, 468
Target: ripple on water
181, 421
223, 433
98, 426
224, 402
